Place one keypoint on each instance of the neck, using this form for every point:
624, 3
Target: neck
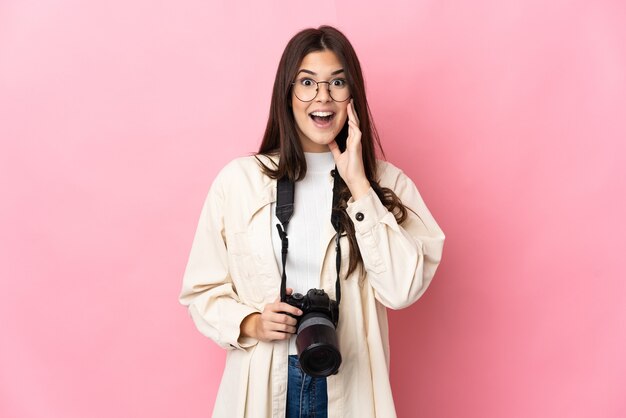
319, 161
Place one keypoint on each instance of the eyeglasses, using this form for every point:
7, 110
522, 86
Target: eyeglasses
306, 89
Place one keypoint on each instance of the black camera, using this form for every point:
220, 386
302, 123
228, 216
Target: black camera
316, 339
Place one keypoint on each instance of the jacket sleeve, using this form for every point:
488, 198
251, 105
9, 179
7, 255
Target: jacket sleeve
400, 260
207, 288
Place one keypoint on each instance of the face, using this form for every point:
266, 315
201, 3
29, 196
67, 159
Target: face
316, 130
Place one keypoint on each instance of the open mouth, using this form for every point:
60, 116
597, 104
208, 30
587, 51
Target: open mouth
322, 119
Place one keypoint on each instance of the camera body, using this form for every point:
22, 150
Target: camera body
315, 300
316, 340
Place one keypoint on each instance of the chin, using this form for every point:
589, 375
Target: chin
315, 138
325, 140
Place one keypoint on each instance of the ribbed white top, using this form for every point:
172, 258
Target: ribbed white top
312, 207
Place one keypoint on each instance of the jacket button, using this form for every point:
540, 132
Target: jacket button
360, 216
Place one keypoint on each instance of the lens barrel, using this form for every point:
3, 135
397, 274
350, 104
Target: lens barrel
317, 344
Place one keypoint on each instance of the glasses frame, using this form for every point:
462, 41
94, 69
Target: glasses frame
317, 90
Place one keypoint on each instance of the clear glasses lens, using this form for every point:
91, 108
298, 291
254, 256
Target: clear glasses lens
306, 89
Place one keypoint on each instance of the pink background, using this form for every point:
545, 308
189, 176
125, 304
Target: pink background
510, 115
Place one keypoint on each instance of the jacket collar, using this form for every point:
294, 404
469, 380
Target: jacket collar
267, 193
267, 196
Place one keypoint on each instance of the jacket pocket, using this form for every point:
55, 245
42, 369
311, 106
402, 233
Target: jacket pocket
244, 269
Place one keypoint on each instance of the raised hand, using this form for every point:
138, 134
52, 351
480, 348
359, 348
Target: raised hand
350, 162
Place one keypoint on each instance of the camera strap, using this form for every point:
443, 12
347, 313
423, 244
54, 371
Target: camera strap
284, 211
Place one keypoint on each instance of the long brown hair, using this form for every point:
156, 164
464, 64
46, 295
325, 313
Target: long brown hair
281, 137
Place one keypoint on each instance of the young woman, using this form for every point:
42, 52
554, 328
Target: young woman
319, 139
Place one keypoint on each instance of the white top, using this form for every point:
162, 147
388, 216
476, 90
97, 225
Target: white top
313, 199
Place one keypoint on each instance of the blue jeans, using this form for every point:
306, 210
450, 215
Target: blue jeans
306, 395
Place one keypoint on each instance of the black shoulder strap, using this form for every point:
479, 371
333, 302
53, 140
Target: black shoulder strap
284, 212
334, 219
284, 201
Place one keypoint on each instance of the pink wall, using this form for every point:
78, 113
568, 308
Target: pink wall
510, 115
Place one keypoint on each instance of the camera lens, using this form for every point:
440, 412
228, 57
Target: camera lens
320, 360
318, 350
322, 357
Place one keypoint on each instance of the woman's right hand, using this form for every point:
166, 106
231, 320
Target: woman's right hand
273, 324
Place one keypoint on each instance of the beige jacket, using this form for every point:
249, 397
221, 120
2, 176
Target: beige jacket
232, 272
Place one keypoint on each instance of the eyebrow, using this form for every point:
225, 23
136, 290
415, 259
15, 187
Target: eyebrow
312, 73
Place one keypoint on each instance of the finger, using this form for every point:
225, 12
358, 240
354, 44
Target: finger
280, 322
288, 320
354, 136
288, 309
291, 329
355, 128
281, 319
271, 309
334, 149
352, 113
276, 335
277, 313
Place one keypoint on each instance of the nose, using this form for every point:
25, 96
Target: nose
323, 92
